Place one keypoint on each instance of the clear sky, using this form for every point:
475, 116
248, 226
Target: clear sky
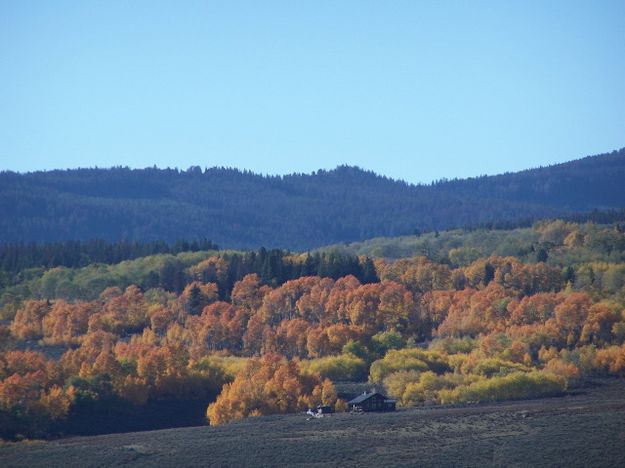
411, 89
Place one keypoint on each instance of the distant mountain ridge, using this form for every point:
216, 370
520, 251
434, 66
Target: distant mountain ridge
299, 211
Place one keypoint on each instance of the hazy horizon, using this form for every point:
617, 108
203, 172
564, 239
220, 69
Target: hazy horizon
286, 174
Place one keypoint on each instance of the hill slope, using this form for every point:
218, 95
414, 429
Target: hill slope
298, 211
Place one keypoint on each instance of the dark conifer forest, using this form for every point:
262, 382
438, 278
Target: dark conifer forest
240, 209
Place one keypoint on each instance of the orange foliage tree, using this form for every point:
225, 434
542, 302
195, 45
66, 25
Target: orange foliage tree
28, 321
269, 385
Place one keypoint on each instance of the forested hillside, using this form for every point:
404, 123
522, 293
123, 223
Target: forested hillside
481, 316
300, 211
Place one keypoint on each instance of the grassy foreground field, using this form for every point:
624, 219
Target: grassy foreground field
582, 429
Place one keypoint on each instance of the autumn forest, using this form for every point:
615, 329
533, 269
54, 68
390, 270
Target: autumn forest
464, 316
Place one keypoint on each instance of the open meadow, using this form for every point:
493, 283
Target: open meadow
585, 428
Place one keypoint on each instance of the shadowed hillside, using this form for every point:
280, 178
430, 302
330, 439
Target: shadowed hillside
298, 211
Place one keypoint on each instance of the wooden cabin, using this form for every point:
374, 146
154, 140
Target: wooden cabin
373, 401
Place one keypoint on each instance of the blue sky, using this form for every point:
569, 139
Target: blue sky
413, 90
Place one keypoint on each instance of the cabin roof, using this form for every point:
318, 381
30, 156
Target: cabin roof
365, 396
